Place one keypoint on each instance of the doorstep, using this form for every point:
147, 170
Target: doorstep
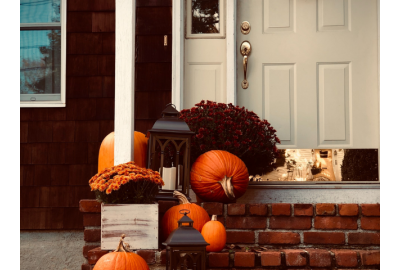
282, 259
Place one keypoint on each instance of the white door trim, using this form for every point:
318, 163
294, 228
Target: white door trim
124, 118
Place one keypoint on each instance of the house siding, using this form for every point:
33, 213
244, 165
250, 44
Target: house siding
59, 146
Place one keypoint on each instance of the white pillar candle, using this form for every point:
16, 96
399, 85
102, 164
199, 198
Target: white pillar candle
169, 177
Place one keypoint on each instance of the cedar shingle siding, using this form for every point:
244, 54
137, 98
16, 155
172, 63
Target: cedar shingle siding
59, 146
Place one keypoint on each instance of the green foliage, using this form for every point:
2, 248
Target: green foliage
360, 165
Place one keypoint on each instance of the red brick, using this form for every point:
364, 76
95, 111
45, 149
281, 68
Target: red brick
236, 209
370, 210
213, 208
271, 258
95, 254
246, 223
303, 210
333, 238
295, 257
258, 209
289, 238
364, 239
148, 255
346, 258
164, 206
281, 209
89, 206
296, 223
332, 223
220, 219
86, 266
370, 223
325, 209
218, 259
370, 257
238, 237
244, 259
92, 235
163, 257
91, 220
87, 248
348, 209
319, 257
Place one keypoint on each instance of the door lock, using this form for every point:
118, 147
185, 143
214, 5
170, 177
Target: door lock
245, 50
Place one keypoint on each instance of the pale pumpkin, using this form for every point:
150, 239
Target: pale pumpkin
214, 233
106, 153
171, 217
121, 259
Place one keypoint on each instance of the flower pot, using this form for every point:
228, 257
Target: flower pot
139, 223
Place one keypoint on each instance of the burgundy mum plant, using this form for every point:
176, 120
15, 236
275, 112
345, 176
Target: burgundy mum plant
220, 126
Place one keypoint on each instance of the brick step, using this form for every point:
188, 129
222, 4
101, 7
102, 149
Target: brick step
284, 259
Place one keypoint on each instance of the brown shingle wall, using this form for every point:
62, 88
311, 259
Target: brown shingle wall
153, 61
59, 146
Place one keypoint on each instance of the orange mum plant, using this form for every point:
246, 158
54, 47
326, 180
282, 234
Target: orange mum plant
126, 183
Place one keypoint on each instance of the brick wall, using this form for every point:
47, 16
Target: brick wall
273, 235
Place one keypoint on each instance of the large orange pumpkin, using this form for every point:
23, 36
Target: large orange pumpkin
121, 259
215, 234
106, 153
219, 176
171, 217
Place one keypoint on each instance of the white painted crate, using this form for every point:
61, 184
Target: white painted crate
139, 222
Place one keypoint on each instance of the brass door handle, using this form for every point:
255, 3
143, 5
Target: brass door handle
245, 49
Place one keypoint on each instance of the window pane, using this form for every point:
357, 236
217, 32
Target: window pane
205, 16
318, 165
40, 62
39, 11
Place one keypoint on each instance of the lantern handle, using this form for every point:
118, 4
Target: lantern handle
184, 213
170, 104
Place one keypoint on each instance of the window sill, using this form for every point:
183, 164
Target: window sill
314, 185
40, 104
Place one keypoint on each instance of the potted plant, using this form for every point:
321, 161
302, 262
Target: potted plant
127, 194
220, 126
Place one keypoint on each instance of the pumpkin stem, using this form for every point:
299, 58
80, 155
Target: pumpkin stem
182, 198
214, 217
228, 187
123, 246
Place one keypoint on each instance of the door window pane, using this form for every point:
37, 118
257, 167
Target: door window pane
205, 17
40, 62
39, 11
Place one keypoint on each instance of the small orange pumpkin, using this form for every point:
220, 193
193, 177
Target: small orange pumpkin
171, 217
106, 153
215, 234
219, 176
121, 259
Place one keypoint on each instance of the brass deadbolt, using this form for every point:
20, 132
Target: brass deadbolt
245, 27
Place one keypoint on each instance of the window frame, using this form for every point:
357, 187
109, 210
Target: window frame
51, 26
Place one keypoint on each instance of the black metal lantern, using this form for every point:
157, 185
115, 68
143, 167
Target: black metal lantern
186, 247
169, 150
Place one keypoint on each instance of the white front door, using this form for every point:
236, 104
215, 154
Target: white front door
205, 57
313, 70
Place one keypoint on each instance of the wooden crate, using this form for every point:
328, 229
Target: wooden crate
139, 222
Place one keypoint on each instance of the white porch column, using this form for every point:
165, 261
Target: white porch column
125, 22
178, 50
231, 52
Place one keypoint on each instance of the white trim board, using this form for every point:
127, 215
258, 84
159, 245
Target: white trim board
124, 117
